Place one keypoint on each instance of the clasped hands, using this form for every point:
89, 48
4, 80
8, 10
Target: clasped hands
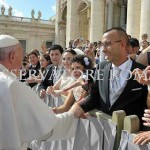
78, 111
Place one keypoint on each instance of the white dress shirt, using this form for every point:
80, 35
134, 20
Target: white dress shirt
124, 75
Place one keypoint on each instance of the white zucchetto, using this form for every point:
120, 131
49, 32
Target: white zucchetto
7, 40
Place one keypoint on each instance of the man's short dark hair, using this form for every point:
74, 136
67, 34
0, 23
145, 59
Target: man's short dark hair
121, 32
133, 42
56, 47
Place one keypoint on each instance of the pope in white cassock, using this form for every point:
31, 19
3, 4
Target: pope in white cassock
23, 116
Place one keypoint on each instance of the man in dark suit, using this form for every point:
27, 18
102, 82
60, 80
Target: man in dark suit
125, 93
54, 71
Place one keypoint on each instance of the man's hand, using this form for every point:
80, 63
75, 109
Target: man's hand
146, 117
143, 77
76, 110
142, 138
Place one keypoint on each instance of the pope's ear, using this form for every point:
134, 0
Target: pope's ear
12, 57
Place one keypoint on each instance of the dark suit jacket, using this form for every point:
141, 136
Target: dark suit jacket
48, 78
131, 101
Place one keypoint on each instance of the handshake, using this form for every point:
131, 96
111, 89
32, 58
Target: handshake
77, 111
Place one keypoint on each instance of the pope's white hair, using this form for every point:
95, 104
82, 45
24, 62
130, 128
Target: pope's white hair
4, 52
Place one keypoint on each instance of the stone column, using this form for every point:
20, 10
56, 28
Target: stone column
110, 15
62, 36
72, 21
133, 18
145, 18
122, 15
97, 19
116, 17
58, 14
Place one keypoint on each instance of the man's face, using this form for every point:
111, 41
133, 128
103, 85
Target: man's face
19, 56
133, 50
112, 46
56, 57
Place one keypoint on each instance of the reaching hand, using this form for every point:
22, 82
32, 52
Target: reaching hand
142, 138
49, 90
76, 110
143, 77
79, 82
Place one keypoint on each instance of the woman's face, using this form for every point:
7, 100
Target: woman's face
66, 60
44, 63
77, 69
33, 59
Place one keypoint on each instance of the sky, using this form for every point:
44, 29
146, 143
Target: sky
22, 8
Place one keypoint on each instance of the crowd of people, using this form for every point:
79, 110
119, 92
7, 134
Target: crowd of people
108, 75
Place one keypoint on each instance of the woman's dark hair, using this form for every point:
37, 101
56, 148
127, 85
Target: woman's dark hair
70, 51
83, 60
33, 53
47, 57
35, 50
134, 42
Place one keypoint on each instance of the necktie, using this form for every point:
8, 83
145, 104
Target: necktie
116, 80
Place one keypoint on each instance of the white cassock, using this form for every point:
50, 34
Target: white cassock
24, 117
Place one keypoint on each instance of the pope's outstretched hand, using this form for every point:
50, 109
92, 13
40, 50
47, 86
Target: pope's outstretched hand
76, 110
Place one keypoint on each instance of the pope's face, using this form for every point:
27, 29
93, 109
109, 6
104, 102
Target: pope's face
15, 59
19, 56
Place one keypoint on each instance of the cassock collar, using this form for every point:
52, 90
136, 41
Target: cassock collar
6, 71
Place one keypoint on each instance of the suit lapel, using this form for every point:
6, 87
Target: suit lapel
130, 84
104, 84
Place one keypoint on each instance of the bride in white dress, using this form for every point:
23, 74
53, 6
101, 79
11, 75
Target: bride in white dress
57, 93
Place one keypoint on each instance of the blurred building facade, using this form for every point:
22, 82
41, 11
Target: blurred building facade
31, 32
88, 19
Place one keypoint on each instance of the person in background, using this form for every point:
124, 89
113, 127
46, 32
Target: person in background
143, 43
33, 69
100, 56
90, 52
133, 48
45, 63
144, 37
55, 70
129, 36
